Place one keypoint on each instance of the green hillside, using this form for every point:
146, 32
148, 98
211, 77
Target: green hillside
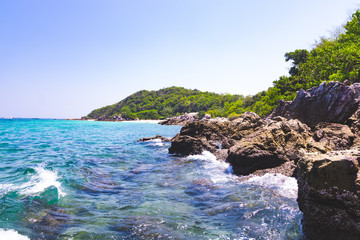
332, 59
165, 103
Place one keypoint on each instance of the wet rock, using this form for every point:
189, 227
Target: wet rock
199, 136
249, 143
214, 135
329, 195
331, 102
187, 145
161, 138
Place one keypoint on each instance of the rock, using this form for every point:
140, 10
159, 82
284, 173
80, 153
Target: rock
161, 138
332, 102
197, 136
354, 123
251, 145
329, 195
213, 135
117, 118
101, 118
186, 145
244, 125
207, 117
335, 135
180, 120
277, 142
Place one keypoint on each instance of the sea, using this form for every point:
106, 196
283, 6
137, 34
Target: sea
63, 179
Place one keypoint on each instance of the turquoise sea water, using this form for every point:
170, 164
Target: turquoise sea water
92, 180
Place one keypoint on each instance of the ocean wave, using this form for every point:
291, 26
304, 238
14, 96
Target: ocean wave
42, 180
12, 235
218, 171
283, 185
37, 183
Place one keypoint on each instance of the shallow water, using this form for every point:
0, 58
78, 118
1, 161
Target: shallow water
93, 180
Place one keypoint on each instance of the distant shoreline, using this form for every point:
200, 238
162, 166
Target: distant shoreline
136, 121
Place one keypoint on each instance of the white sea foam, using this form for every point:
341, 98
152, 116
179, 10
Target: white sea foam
5, 188
42, 180
37, 183
218, 171
283, 185
156, 142
12, 235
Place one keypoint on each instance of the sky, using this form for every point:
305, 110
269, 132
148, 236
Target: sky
65, 58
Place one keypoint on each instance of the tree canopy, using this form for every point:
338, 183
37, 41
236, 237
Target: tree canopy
167, 102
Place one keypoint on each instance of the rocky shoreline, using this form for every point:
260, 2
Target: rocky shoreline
313, 138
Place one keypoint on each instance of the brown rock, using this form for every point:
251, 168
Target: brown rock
335, 135
329, 195
272, 145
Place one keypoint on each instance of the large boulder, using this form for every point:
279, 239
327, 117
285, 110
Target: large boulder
198, 136
277, 142
329, 195
214, 135
332, 102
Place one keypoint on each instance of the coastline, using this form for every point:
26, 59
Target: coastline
127, 121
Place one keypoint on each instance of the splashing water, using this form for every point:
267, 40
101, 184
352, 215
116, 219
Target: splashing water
93, 180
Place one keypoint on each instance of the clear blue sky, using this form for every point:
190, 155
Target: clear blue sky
64, 58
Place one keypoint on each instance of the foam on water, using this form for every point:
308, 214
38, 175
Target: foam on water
37, 183
5, 188
283, 185
42, 180
157, 142
12, 235
218, 171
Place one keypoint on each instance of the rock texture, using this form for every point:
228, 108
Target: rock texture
329, 195
278, 141
249, 143
179, 120
332, 102
198, 136
315, 137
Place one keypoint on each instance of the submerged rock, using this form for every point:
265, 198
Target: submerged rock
329, 195
161, 138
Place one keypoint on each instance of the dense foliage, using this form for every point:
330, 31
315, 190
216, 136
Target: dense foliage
167, 102
332, 59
